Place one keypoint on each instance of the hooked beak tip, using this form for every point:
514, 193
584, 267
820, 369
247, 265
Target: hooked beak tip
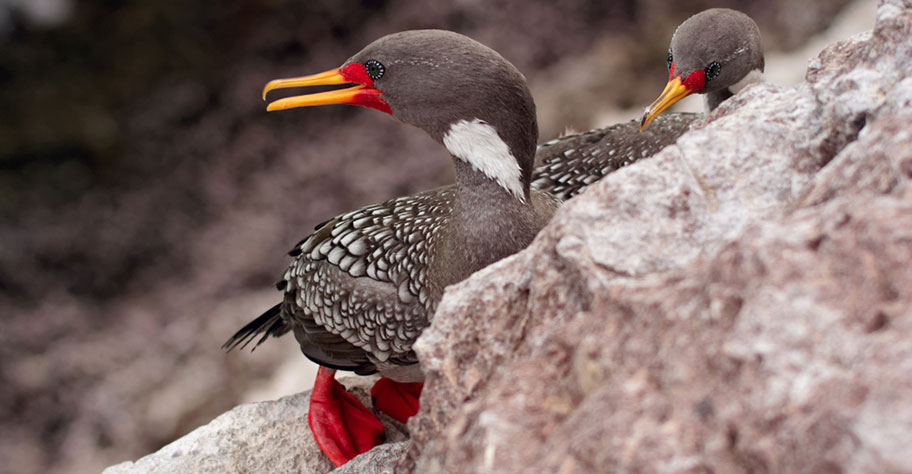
674, 91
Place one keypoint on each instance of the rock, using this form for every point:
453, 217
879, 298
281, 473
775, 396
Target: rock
740, 302
268, 436
379, 460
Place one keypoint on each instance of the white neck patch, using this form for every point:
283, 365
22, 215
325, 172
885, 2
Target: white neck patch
752, 77
478, 144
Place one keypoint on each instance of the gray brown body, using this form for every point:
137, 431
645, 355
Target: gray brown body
364, 285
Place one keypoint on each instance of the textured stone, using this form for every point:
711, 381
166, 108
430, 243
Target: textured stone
268, 436
741, 302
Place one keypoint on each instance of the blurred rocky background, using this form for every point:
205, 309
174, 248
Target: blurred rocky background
147, 199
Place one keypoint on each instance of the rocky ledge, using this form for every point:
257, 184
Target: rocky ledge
741, 302
268, 437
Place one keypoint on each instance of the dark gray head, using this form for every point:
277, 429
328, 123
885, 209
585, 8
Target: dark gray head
710, 52
435, 80
724, 45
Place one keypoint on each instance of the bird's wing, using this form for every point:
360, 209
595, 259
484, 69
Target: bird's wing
359, 283
569, 164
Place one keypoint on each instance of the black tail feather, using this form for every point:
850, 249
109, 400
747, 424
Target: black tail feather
268, 324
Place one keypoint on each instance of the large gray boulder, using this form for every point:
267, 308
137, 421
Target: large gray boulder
742, 302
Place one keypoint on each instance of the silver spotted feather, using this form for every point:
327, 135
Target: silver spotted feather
357, 293
571, 163
388, 243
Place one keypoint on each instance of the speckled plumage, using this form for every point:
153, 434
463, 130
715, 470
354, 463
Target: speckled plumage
571, 163
364, 285
390, 244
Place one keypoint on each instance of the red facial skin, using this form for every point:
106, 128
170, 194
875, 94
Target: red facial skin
369, 97
694, 82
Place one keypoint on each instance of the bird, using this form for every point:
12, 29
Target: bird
364, 284
716, 52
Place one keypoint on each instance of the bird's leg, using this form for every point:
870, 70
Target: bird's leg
342, 426
397, 399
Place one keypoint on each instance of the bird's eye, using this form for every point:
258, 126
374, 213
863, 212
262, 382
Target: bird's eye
374, 69
712, 71
670, 59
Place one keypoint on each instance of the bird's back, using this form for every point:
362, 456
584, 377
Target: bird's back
571, 163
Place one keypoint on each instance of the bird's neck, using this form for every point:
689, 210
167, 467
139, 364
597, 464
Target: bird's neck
487, 223
494, 214
477, 191
484, 204
714, 98
485, 163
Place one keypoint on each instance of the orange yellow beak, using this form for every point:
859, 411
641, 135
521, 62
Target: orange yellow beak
674, 91
352, 95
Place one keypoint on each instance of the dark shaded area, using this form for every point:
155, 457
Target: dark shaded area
147, 200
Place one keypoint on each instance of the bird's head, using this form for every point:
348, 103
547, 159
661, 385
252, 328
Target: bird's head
432, 79
711, 51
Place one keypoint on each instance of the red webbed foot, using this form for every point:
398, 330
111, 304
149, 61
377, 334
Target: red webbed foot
342, 426
397, 399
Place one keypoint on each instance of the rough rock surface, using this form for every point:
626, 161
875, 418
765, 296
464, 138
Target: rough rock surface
267, 437
742, 302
